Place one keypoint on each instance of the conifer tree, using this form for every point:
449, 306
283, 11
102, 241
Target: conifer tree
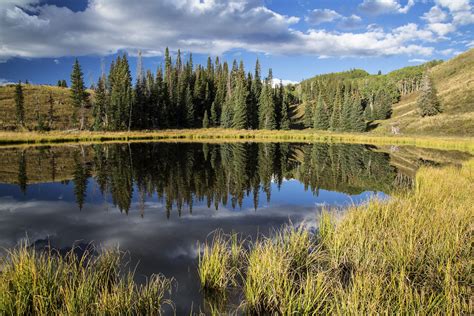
100, 105
357, 115
227, 108
334, 123
214, 114
308, 114
239, 120
267, 118
205, 120
19, 105
345, 123
189, 108
78, 93
321, 119
285, 119
428, 103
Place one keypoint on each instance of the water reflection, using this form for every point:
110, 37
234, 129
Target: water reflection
176, 194
220, 174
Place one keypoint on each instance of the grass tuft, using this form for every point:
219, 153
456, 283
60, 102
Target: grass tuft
34, 282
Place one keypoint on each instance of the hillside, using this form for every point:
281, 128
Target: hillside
36, 97
454, 81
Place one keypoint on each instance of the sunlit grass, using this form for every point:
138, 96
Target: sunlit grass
35, 282
219, 262
230, 135
410, 255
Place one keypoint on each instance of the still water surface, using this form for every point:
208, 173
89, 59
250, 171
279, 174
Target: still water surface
158, 200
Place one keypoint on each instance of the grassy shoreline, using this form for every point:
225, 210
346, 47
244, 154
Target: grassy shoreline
408, 255
230, 135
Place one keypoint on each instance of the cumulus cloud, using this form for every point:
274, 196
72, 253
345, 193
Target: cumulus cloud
460, 10
435, 15
210, 27
376, 7
442, 28
5, 82
320, 16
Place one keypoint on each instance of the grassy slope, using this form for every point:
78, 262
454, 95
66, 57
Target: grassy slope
454, 81
36, 96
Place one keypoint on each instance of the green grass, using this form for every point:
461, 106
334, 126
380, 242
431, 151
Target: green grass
219, 262
411, 254
231, 135
45, 283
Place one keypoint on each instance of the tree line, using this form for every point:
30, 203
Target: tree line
183, 95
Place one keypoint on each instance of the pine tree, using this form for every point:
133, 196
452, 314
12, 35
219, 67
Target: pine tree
345, 123
20, 105
239, 120
321, 119
285, 119
334, 123
205, 120
100, 105
214, 114
64, 83
308, 114
78, 93
267, 118
227, 108
357, 116
428, 103
189, 107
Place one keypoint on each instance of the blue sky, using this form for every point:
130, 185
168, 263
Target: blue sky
39, 39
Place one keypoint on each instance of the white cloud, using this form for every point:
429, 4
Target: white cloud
460, 10
470, 44
319, 16
417, 60
107, 26
276, 82
56, 61
376, 7
435, 15
442, 28
4, 82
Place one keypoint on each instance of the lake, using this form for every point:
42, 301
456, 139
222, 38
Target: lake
156, 201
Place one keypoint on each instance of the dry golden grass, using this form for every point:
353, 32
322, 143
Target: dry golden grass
454, 81
231, 135
409, 255
36, 97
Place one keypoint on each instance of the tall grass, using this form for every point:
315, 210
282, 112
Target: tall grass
411, 254
219, 262
36, 282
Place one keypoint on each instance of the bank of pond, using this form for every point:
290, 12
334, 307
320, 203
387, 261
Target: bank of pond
260, 228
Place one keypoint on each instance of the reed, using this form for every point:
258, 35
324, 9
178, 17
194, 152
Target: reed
42, 282
219, 262
411, 254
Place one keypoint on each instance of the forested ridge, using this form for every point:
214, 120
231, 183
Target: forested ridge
181, 94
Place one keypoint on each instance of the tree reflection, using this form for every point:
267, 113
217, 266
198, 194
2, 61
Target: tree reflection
182, 174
